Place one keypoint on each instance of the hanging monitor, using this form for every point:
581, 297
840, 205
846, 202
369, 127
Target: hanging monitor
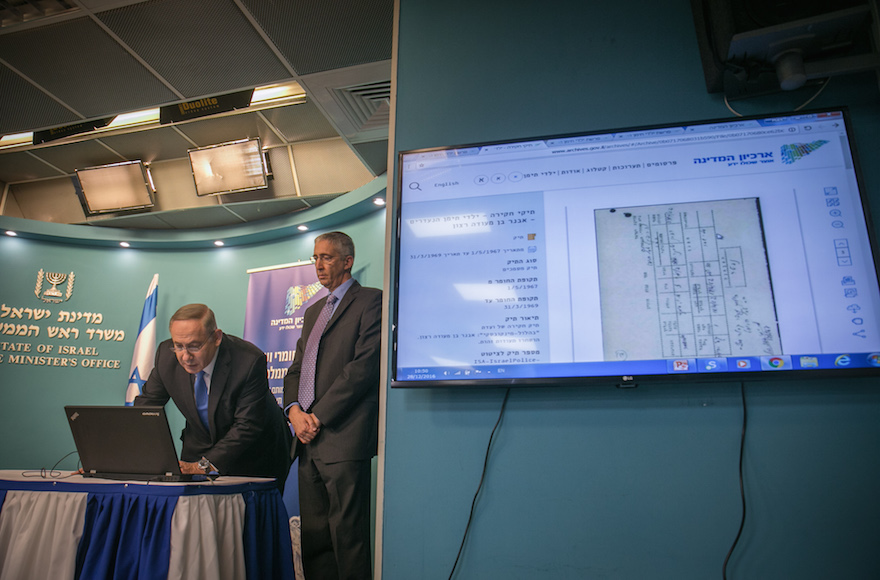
114, 188
729, 249
228, 167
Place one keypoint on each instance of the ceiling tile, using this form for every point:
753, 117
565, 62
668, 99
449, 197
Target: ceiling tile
149, 146
33, 108
141, 221
375, 155
261, 210
330, 166
317, 35
300, 122
233, 128
201, 47
54, 201
23, 166
75, 156
95, 77
204, 217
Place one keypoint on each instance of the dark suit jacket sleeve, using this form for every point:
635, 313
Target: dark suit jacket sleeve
291, 379
250, 416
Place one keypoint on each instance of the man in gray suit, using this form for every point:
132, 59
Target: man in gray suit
331, 394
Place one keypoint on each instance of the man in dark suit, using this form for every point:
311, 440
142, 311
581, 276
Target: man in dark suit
239, 429
331, 393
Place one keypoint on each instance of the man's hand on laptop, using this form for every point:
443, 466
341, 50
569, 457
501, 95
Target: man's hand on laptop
201, 467
191, 468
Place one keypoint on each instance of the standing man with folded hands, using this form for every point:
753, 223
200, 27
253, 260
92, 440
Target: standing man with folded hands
331, 395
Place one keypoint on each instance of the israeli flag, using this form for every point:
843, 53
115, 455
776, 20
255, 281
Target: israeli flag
145, 346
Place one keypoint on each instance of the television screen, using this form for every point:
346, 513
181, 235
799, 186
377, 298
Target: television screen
726, 249
228, 167
114, 188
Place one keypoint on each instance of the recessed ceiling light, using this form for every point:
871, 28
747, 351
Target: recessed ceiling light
303, 228
125, 244
11, 233
218, 243
379, 201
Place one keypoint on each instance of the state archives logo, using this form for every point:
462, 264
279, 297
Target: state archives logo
53, 295
794, 151
299, 295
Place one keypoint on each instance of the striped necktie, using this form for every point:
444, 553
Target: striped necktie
310, 358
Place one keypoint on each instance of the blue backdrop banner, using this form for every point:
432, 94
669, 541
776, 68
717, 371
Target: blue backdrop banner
276, 303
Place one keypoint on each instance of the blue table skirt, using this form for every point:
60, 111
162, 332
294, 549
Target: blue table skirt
125, 531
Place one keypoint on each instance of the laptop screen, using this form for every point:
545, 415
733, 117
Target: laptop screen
123, 442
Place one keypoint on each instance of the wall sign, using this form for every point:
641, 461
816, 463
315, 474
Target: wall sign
48, 335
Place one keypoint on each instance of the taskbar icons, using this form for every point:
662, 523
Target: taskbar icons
683, 365
696, 365
675, 366
776, 363
773, 363
838, 361
808, 362
713, 365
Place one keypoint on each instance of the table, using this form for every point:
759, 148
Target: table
77, 527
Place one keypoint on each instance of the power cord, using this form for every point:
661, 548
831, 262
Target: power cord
742, 492
802, 105
742, 489
51, 473
480, 486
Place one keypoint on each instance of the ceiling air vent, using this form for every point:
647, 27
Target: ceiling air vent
367, 106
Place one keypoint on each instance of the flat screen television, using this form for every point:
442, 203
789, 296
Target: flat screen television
715, 250
228, 167
114, 188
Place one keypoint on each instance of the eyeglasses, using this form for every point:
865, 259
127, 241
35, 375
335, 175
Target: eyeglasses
191, 348
326, 258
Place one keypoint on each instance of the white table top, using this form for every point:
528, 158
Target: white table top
36, 475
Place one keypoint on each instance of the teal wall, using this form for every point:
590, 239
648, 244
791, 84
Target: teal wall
113, 281
597, 482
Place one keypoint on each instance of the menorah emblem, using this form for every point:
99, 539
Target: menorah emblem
53, 294
54, 278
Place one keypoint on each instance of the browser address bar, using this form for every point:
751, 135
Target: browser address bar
676, 140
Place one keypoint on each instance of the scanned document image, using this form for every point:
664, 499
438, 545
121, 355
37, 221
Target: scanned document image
685, 280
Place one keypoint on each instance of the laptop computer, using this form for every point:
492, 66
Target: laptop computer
127, 443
